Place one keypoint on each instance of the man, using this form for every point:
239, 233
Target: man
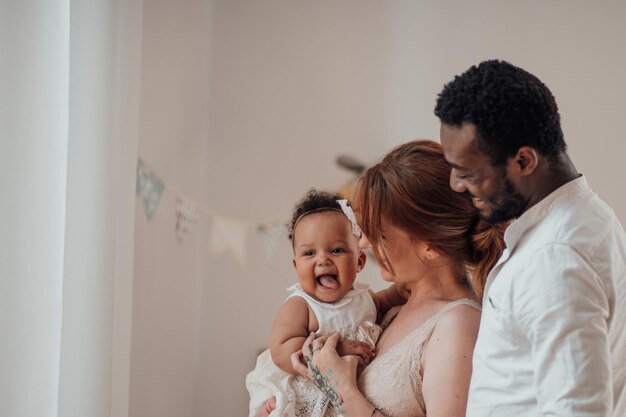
552, 339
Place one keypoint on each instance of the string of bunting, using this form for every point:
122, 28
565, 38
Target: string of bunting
226, 235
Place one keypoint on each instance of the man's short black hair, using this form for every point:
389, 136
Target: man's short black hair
510, 108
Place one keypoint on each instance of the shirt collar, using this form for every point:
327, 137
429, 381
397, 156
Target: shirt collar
539, 211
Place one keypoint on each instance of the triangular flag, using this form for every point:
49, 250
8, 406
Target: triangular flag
228, 235
187, 215
149, 189
271, 235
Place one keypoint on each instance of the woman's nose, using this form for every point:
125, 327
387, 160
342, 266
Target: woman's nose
364, 242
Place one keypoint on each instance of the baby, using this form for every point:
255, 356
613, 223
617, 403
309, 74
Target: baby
325, 237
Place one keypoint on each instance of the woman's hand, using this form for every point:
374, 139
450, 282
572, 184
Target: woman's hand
334, 375
297, 358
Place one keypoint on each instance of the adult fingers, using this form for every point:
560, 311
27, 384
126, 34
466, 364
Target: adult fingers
332, 341
352, 360
318, 344
297, 364
360, 360
307, 347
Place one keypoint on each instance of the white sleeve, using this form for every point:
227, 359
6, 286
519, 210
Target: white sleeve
564, 315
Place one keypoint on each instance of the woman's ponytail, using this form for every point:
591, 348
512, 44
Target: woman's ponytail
487, 245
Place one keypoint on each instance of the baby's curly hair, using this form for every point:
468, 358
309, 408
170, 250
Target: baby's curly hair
510, 108
314, 200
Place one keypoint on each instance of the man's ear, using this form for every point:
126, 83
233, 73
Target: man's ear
361, 261
525, 160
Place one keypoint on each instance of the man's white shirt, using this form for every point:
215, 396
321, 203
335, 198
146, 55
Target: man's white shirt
552, 339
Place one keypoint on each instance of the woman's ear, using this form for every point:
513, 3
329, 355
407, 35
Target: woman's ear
429, 253
361, 261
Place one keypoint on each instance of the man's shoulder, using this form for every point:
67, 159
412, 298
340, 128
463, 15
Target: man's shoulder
581, 221
579, 232
577, 226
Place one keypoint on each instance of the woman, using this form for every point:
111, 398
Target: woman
429, 239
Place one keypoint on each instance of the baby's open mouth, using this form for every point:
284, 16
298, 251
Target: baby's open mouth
328, 281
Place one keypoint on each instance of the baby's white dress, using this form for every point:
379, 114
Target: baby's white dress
353, 317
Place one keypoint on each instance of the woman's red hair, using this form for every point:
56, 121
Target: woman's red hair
410, 188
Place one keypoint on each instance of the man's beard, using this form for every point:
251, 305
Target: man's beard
506, 205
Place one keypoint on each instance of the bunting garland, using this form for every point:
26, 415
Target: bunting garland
272, 235
227, 235
187, 215
149, 189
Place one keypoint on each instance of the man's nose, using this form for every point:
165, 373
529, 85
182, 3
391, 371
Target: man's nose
457, 184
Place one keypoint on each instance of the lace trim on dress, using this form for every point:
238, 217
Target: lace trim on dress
392, 381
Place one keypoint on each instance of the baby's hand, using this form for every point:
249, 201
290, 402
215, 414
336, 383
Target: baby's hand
266, 409
361, 350
403, 291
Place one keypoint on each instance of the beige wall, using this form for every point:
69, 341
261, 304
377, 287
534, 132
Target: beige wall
168, 276
575, 47
246, 104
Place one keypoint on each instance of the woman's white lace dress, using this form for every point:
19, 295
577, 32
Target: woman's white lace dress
392, 381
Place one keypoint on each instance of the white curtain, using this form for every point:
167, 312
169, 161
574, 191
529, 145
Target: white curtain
69, 104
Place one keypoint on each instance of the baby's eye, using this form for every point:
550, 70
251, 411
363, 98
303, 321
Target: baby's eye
307, 253
337, 250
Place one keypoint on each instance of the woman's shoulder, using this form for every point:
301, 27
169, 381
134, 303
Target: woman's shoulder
458, 321
447, 357
459, 313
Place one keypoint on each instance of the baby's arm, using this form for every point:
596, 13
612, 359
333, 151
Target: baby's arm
290, 330
394, 295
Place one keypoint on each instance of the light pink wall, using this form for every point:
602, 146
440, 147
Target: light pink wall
168, 275
575, 47
246, 104
293, 84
